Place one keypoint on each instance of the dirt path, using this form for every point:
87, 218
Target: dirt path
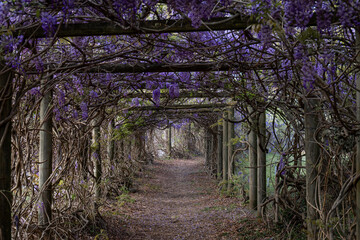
177, 200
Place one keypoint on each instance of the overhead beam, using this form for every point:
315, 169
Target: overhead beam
141, 27
183, 94
157, 67
190, 111
178, 107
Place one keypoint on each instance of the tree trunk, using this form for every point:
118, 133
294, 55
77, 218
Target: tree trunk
253, 161
231, 161
225, 147
5, 154
261, 161
45, 158
312, 153
219, 162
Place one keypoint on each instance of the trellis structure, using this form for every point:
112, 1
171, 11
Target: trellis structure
309, 103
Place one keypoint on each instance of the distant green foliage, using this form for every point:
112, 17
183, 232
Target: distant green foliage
127, 128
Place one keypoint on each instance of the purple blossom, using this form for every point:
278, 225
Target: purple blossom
265, 34
348, 12
323, 15
57, 114
39, 65
281, 165
172, 91
84, 110
78, 86
93, 94
308, 72
298, 12
156, 96
61, 98
35, 91
75, 114
135, 101
48, 22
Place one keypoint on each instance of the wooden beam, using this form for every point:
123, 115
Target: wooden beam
178, 107
141, 27
160, 67
183, 94
156, 67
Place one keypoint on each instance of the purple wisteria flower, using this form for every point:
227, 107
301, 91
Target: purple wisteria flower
84, 110
48, 22
281, 165
135, 102
156, 96
93, 94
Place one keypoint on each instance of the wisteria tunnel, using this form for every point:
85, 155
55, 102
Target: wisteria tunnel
107, 102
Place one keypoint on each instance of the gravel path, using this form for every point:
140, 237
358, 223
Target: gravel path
177, 200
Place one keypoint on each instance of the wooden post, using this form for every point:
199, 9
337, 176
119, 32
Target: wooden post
357, 210
219, 163
45, 157
121, 151
261, 161
213, 153
189, 140
5, 153
209, 148
312, 153
206, 146
225, 147
111, 144
169, 140
252, 138
97, 159
231, 135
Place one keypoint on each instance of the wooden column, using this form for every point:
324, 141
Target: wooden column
312, 153
121, 151
357, 161
261, 161
252, 138
206, 146
97, 159
210, 145
111, 145
85, 154
225, 147
231, 135
189, 141
169, 145
214, 153
45, 157
5, 153
219, 162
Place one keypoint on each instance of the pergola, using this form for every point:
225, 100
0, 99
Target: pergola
225, 110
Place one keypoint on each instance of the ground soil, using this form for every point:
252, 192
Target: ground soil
177, 199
